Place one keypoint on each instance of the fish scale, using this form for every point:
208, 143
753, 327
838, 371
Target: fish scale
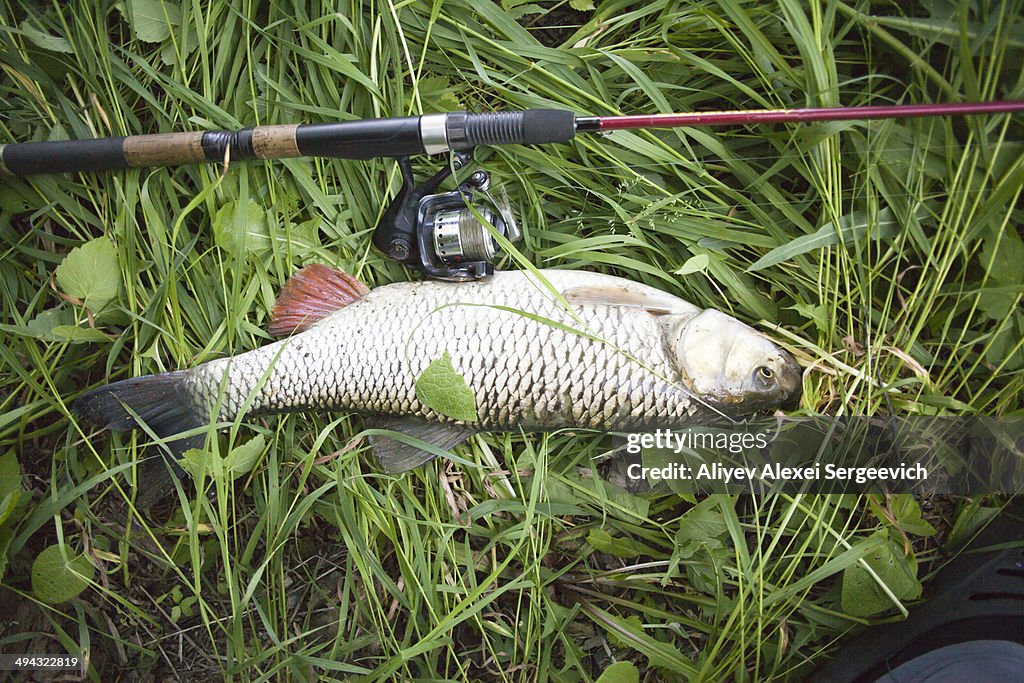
524, 373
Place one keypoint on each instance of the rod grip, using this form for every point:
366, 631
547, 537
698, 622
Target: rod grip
529, 127
67, 156
102, 154
364, 139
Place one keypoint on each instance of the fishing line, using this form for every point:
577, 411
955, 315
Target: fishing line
844, 153
845, 194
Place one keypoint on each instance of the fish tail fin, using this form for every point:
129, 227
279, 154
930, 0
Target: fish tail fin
160, 402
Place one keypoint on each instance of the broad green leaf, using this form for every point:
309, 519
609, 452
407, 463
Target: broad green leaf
854, 226
58, 133
518, 11
6, 535
443, 390
437, 90
602, 541
73, 333
241, 230
1005, 253
702, 522
694, 264
45, 40
972, 518
8, 502
10, 485
1001, 257
56, 579
199, 463
582, 5
622, 498
90, 273
152, 20
299, 239
57, 325
10, 473
239, 462
187, 45
616, 639
243, 458
908, 515
657, 458
14, 201
620, 672
816, 314
42, 326
699, 545
861, 594
1006, 342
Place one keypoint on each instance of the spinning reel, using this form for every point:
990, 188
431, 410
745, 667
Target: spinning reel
447, 235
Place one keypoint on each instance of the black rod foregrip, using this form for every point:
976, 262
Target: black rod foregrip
529, 127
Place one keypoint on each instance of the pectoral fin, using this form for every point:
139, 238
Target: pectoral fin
649, 299
397, 456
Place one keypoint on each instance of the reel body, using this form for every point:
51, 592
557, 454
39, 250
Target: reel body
450, 235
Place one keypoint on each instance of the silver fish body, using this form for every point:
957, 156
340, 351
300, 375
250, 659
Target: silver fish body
524, 371
605, 353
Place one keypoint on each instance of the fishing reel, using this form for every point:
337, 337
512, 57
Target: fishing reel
449, 236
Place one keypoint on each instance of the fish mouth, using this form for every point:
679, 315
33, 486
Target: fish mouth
791, 381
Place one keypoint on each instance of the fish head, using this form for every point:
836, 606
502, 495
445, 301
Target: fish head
726, 362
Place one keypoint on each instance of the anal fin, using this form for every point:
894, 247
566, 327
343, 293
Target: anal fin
397, 456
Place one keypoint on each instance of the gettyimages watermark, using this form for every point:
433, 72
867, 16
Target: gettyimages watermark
732, 442
956, 455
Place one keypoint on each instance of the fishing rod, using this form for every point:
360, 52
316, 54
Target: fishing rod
446, 235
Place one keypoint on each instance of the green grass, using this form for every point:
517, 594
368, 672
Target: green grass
315, 562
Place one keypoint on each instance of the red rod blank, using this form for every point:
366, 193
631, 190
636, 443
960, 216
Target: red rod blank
729, 118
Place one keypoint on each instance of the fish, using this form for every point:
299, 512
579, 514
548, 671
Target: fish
540, 351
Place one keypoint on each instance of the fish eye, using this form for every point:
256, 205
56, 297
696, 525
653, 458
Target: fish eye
766, 373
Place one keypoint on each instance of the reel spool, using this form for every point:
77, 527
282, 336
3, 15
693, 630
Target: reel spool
450, 236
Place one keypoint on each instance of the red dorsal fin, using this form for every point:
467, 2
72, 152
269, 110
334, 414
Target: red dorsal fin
310, 295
